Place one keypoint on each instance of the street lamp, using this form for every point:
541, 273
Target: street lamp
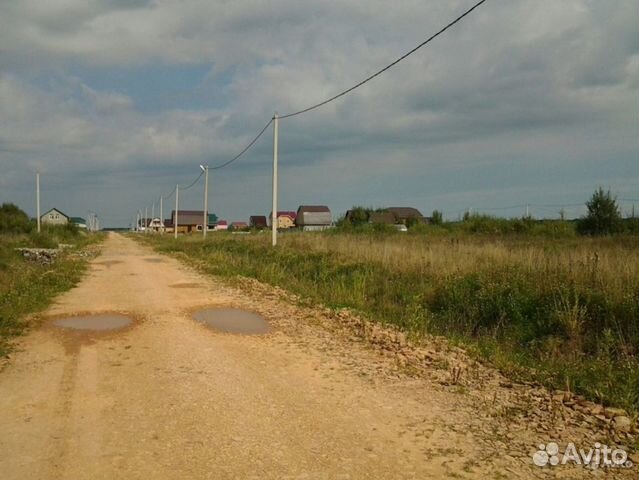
205, 223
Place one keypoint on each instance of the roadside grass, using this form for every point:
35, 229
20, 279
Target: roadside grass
28, 287
562, 311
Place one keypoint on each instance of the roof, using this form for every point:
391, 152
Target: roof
189, 212
57, 210
404, 212
78, 220
313, 208
222, 222
382, 217
258, 220
285, 213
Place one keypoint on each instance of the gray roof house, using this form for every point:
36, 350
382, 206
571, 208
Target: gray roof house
54, 217
313, 217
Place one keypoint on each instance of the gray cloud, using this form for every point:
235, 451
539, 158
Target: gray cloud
545, 84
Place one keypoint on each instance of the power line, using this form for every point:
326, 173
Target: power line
194, 182
245, 148
387, 67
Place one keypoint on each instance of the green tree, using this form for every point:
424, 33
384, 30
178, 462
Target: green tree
359, 215
436, 217
604, 215
13, 220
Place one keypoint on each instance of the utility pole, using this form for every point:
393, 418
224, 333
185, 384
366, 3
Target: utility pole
38, 200
205, 221
152, 212
146, 219
527, 210
175, 219
274, 214
161, 216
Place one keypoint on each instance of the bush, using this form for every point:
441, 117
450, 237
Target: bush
14, 220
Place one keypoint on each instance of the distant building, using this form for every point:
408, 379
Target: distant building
385, 218
258, 221
222, 225
406, 215
238, 226
313, 217
212, 221
188, 220
55, 217
79, 222
285, 219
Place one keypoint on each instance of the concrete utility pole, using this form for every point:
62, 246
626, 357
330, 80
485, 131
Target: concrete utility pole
175, 220
146, 219
161, 217
38, 200
274, 214
527, 210
205, 222
152, 212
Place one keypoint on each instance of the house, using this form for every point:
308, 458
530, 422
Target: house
313, 217
189, 220
155, 225
285, 219
222, 225
54, 217
212, 221
385, 218
258, 221
407, 215
79, 222
238, 226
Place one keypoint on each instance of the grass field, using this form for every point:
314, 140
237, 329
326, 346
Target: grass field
27, 287
564, 311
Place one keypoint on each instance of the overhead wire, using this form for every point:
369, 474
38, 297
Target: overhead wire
245, 148
387, 67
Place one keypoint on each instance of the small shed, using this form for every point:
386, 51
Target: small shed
313, 217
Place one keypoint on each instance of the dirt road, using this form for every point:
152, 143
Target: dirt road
168, 398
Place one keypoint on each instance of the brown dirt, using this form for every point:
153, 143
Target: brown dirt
324, 396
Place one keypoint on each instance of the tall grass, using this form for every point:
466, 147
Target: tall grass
27, 287
562, 311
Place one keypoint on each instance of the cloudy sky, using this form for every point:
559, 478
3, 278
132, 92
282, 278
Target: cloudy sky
115, 101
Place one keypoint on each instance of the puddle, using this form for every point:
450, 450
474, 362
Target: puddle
154, 260
233, 320
98, 322
185, 285
109, 263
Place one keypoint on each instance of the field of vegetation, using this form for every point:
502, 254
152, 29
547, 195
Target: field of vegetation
29, 286
551, 306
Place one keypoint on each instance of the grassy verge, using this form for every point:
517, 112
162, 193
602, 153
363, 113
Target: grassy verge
561, 311
27, 287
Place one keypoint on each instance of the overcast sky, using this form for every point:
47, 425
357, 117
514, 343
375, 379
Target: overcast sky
116, 101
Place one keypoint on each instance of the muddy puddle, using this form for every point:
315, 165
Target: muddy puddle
185, 285
154, 260
99, 322
108, 263
233, 320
